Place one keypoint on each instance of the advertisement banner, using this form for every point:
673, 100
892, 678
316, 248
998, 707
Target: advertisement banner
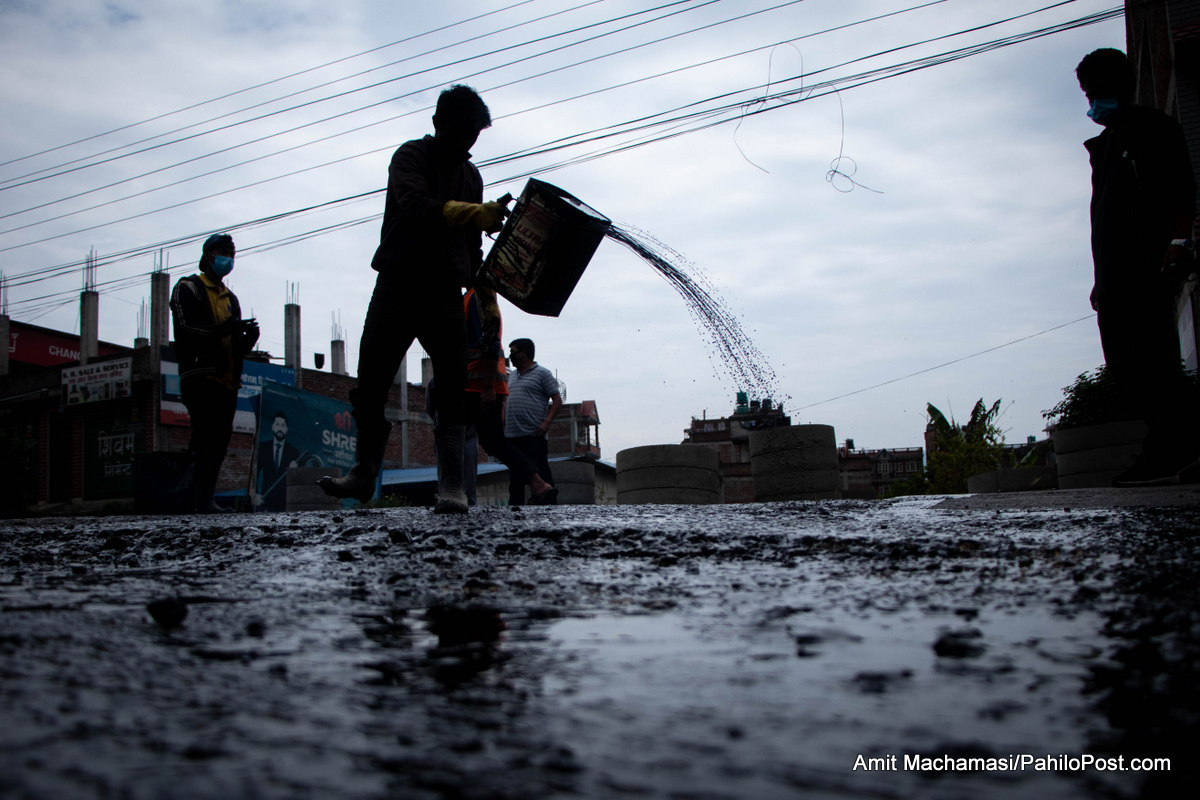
92, 383
298, 429
29, 344
172, 411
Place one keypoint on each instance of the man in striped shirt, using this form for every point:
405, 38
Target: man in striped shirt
533, 402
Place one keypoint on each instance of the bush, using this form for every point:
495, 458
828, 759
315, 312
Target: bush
1092, 399
964, 450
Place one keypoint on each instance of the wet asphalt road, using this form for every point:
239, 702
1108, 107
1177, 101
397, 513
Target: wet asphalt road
761, 651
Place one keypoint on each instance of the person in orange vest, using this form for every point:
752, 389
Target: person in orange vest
487, 388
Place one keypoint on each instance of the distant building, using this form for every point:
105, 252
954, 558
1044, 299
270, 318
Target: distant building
865, 474
871, 474
87, 423
730, 437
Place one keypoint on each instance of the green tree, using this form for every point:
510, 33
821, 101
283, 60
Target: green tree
961, 451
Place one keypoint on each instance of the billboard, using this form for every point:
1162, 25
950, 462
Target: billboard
91, 383
29, 344
297, 429
172, 411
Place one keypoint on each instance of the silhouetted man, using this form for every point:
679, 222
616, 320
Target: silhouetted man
211, 341
1143, 204
429, 249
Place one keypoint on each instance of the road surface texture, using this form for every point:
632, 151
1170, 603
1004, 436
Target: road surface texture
990, 646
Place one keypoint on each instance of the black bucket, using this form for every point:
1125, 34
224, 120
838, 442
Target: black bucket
543, 249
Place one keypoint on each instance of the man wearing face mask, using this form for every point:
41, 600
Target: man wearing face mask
429, 249
211, 340
1142, 209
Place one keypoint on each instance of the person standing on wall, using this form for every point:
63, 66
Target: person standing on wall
211, 341
533, 403
429, 249
1142, 210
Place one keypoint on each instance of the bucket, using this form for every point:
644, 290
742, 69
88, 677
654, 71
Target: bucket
546, 243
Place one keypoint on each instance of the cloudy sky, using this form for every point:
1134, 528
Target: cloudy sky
893, 206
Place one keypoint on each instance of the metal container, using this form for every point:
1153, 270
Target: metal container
543, 249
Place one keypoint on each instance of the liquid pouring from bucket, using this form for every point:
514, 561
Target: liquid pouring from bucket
543, 249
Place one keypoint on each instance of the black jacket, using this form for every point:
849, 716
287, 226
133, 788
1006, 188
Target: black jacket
1141, 183
415, 240
202, 346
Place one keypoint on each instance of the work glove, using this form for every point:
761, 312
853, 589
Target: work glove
487, 217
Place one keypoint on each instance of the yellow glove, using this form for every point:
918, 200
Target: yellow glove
487, 217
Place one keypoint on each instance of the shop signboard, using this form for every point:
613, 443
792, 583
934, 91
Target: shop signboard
92, 383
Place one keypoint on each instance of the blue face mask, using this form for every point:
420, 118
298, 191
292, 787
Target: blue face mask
222, 266
1103, 110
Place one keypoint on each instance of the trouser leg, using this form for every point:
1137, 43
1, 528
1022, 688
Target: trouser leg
386, 337
1141, 351
211, 408
490, 428
534, 450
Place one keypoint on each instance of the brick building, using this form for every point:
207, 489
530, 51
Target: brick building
1163, 41
730, 437
78, 416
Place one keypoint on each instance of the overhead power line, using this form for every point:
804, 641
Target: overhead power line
717, 115
262, 85
950, 363
28, 179
673, 126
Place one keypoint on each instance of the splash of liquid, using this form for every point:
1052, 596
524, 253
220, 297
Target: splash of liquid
730, 348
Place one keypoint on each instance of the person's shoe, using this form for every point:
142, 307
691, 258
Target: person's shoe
1148, 472
357, 484
546, 498
209, 506
1190, 473
451, 503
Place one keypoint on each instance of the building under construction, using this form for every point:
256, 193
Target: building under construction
86, 424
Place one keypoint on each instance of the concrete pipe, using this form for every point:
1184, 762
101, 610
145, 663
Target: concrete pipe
795, 463
1092, 456
576, 482
668, 473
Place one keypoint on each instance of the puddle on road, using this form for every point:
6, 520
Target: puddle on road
768, 701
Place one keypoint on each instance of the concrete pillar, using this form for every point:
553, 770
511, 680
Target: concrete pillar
291, 339
160, 317
337, 357
401, 380
5, 343
89, 326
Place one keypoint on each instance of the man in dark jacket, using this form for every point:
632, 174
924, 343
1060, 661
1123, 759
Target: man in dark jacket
1143, 205
211, 340
429, 249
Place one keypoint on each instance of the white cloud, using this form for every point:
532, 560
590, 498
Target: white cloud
979, 237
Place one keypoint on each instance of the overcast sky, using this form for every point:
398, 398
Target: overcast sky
954, 267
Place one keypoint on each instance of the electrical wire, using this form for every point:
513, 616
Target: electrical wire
17, 182
361, 128
627, 127
948, 363
811, 91
264, 84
